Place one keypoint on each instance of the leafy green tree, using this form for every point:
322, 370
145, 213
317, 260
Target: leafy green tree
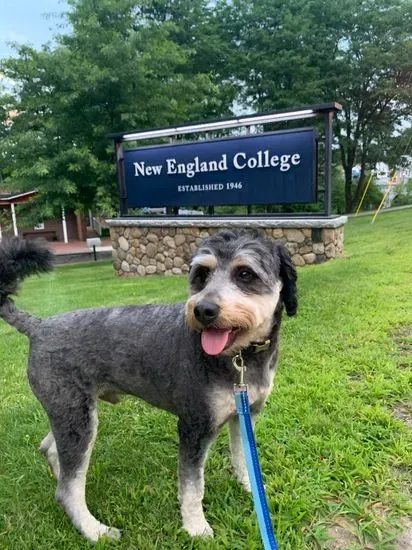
5, 109
126, 64
144, 63
404, 195
356, 52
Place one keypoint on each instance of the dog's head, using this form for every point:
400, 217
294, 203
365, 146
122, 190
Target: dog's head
237, 281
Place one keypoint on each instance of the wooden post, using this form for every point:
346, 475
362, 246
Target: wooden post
364, 195
64, 224
13, 217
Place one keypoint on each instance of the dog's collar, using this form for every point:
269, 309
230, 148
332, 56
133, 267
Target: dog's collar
257, 347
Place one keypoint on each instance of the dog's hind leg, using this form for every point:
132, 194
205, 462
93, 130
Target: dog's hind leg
48, 448
194, 443
74, 428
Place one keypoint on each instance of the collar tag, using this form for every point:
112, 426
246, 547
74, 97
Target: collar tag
260, 346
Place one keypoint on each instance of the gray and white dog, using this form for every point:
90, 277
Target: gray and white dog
176, 357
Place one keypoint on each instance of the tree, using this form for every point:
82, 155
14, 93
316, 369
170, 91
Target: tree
144, 63
126, 64
356, 52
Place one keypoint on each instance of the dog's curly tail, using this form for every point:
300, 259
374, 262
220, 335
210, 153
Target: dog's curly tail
18, 260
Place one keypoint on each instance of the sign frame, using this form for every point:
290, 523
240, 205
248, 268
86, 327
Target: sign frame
325, 111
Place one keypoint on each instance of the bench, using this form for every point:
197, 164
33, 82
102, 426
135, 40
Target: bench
47, 234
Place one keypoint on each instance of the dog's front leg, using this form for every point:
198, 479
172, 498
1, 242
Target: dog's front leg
236, 449
195, 438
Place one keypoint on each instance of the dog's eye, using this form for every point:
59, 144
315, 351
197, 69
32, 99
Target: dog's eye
245, 275
200, 275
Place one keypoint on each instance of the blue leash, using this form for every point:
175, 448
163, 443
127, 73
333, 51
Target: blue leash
252, 459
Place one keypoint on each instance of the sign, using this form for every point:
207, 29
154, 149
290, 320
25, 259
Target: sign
271, 168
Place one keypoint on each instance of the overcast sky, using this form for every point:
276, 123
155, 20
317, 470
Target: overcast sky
26, 21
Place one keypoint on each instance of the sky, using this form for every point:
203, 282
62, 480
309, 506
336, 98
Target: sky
25, 21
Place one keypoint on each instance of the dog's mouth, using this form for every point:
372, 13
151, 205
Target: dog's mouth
215, 340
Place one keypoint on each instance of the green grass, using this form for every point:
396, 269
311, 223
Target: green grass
331, 448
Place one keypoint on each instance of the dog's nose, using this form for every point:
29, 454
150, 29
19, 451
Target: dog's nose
206, 312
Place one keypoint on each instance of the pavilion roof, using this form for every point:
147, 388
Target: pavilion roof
15, 197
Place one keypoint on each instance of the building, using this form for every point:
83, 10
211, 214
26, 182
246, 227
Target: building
70, 227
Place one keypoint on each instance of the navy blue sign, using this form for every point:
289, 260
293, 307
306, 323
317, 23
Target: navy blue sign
278, 167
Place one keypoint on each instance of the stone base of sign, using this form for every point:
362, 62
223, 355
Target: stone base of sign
164, 246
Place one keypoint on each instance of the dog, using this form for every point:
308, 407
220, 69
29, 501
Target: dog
176, 357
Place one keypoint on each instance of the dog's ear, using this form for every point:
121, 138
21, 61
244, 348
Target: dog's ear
288, 275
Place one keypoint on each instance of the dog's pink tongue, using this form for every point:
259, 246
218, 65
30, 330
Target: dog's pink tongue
214, 340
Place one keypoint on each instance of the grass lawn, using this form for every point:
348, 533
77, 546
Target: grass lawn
335, 449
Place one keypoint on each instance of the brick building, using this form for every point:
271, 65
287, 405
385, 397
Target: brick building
70, 227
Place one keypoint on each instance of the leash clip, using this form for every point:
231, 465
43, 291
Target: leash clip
240, 366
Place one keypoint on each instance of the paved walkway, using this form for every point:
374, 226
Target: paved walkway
77, 247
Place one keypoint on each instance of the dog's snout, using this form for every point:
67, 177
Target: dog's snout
206, 312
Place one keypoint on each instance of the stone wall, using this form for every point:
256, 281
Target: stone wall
165, 247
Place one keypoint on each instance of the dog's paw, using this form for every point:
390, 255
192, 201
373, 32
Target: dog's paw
113, 533
243, 479
100, 530
245, 483
199, 529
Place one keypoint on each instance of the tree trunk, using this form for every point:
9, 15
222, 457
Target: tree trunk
81, 235
348, 189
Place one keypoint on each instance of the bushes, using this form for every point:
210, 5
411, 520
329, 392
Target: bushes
404, 196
